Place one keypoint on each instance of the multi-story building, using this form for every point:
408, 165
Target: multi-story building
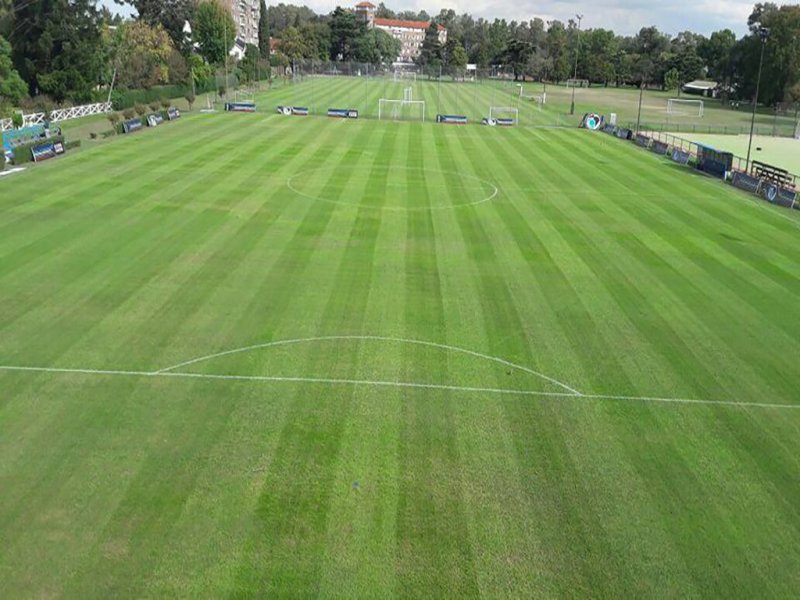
410, 33
245, 14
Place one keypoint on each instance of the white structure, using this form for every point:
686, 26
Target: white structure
539, 98
504, 112
59, 114
401, 109
410, 33
694, 107
245, 14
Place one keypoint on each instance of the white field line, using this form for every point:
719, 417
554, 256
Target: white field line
7, 172
396, 384
339, 338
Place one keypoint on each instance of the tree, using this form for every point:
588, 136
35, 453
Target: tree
458, 59
142, 55
214, 31
430, 54
249, 64
263, 31
345, 31
317, 36
286, 15
12, 86
376, 47
384, 13
517, 56
717, 52
781, 54
558, 50
171, 15
672, 79
293, 46
57, 47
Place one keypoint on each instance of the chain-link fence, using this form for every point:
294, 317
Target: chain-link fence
414, 93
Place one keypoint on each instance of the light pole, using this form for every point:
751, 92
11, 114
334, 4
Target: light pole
643, 67
575, 76
639, 116
763, 33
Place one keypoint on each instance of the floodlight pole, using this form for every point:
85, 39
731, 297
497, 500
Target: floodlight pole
575, 76
641, 95
763, 33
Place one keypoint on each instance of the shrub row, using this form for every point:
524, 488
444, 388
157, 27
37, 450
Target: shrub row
122, 99
23, 154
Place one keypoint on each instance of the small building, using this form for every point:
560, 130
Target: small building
701, 88
410, 33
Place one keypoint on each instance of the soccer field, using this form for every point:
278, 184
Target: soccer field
254, 355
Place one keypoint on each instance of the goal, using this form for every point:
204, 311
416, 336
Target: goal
405, 76
577, 83
401, 110
408, 94
675, 106
504, 115
540, 99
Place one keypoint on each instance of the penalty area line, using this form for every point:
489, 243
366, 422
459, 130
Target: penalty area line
396, 384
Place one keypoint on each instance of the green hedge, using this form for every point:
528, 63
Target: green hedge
72, 144
23, 154
122, 99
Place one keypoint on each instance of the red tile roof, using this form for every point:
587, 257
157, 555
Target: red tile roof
406, 24
365, 5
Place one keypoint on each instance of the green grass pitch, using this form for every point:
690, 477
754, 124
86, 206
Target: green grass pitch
290, 357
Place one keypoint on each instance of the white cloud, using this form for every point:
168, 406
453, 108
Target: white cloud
625, 17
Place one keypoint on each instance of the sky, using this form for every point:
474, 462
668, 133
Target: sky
624, 17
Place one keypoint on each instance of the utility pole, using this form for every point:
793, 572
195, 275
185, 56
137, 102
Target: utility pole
575, 76
763, 33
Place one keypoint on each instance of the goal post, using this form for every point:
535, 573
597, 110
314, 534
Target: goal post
540, 99
401, 110
405, 76
693, 107
505, 115
578, 83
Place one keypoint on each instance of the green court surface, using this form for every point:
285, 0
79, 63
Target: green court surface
777, 151
256, 355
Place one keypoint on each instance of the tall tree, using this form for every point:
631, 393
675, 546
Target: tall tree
293, 46
430, 55
517, 55
345, 30
716, 53
172, 15
263, 31
142, 55
214, 31
12, 87
376, 47
57, 47
382, 12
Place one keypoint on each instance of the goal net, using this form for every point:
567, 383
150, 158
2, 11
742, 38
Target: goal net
405, 76
504, 115
577, 83
401, 110
540, 99
680, 106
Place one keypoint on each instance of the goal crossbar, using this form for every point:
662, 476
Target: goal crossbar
494, 111
673, 102
398, 105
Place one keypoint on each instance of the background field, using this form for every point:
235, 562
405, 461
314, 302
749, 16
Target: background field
778, 151
473, 98
582, 262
